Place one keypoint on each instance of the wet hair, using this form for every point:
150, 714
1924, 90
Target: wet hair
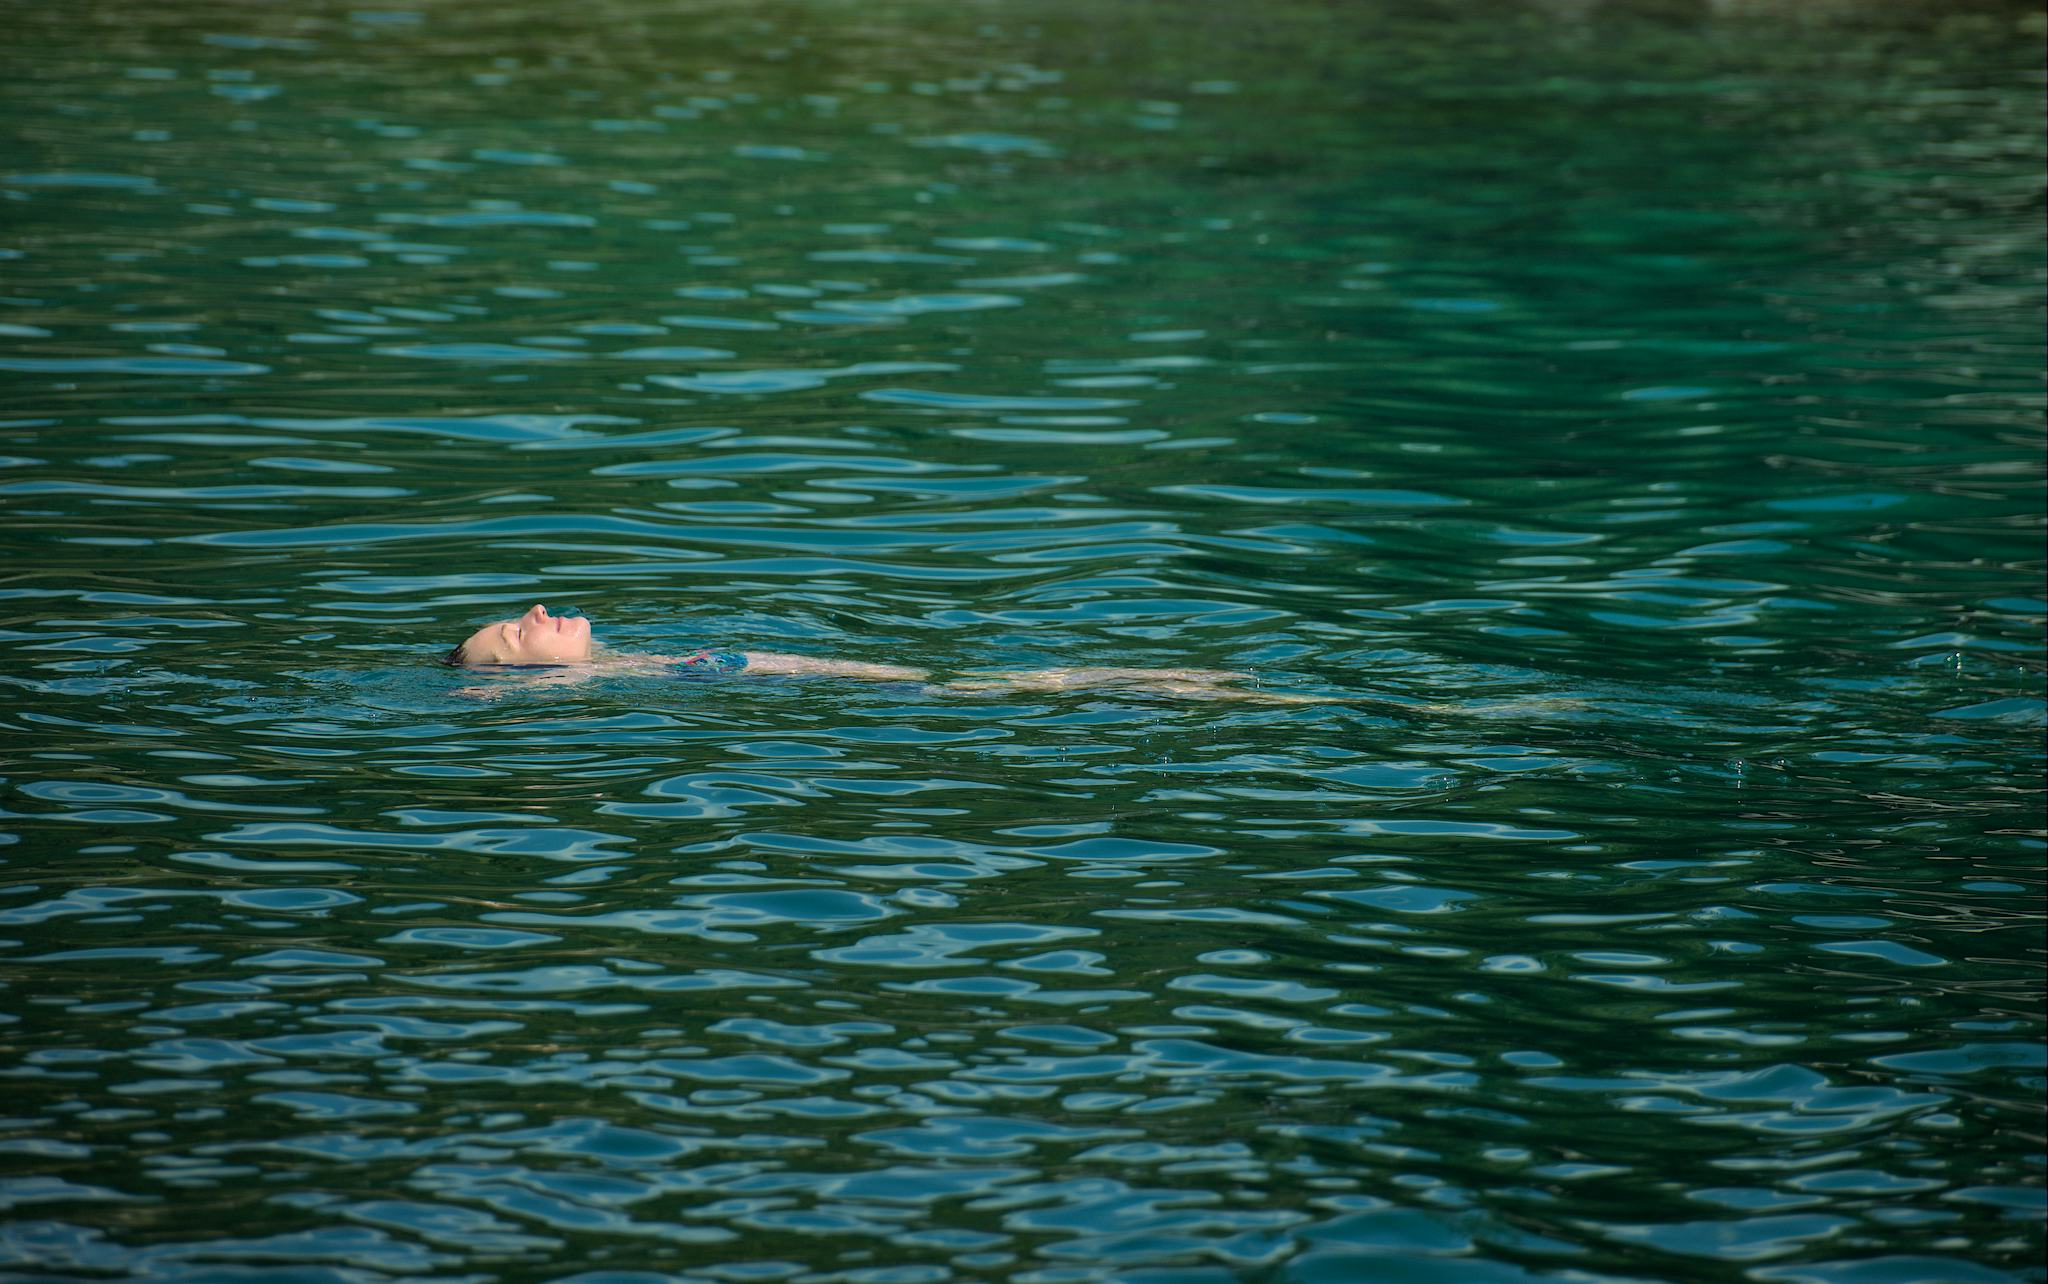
458, 657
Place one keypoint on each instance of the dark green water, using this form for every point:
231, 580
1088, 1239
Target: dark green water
1632, 412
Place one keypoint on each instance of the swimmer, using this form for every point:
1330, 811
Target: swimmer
560, 648
562, 642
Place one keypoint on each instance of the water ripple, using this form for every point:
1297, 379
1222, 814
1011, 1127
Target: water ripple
1628, 866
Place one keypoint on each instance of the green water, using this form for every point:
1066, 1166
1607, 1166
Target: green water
1631, 413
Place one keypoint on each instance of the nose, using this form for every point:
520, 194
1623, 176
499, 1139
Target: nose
538, 612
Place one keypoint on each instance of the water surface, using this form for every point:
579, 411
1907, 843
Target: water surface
1629, 413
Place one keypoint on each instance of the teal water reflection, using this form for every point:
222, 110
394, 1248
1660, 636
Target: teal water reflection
1629, 413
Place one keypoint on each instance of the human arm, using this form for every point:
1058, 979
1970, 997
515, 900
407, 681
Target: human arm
775, 664
1199, 684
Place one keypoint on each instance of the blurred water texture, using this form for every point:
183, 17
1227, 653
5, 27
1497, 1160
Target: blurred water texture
1632, 411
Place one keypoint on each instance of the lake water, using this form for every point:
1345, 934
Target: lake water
1629, 413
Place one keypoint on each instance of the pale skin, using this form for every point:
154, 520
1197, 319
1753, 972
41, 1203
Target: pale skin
563, 644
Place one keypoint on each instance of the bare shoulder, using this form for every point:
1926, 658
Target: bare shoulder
514, 680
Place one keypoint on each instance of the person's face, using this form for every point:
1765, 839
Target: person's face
534, 638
